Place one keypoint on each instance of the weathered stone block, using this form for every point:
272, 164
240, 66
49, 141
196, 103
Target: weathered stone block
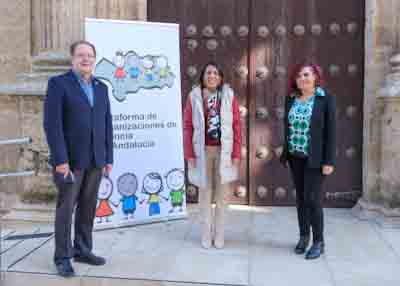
15, 13
11, 65
23, 117
18, 44
390, 151
15, 32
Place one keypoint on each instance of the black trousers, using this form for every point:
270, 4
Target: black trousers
80, 195
308, 183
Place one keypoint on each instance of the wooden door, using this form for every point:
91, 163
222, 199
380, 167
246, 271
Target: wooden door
257, 42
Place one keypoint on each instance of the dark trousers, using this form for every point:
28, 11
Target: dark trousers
308, 183
82, 194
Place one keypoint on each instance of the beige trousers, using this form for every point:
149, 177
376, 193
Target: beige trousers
213, 225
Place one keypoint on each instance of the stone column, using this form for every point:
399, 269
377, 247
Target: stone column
382, 37
383, 201
389, 104
15, 48
56, 24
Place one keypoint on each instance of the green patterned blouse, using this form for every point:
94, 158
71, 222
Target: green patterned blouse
299, 123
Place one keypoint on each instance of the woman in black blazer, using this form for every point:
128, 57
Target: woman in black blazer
310, 150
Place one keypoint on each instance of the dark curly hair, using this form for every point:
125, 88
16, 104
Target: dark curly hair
153, 176
203, 72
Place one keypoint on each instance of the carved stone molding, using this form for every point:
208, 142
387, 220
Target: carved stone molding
392, 83
58, 23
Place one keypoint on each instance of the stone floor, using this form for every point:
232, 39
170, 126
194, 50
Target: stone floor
258, 251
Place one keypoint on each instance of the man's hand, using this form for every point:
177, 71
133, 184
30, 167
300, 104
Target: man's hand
192, 163
107, 169
63, 169
327, 169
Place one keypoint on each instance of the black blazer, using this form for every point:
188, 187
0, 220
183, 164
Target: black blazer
74, 130
322, 150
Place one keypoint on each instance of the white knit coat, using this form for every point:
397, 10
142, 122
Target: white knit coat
228, 171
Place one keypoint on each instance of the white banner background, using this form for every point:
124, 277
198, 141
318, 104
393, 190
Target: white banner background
144, 60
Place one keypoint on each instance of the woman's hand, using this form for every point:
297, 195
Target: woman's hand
236, 162
192, 163
327, 169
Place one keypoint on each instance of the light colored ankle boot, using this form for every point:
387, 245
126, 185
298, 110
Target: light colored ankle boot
219, 243
206, 235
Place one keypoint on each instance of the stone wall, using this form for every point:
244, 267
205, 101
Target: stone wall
29, 27
26, 112
36, 38
15, 48
389, 179
56, 24
382, 40
34, 156
9, 126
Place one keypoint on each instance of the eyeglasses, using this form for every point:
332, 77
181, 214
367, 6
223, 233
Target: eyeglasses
81, 56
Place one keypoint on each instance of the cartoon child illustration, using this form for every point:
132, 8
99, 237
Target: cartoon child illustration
119, 76
162, 65
127, 186
119, 61
133, 65
148, 65
104, 209
175, 179
153, 186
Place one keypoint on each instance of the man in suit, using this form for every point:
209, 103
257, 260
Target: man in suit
78, 127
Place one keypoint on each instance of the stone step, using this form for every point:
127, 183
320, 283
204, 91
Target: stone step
6, 232
24, 88
32, 279
50, 68
43, 75
25, 214
51, 59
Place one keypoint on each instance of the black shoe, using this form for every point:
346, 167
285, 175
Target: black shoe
316, 250
64, 268
90, 259
302, 245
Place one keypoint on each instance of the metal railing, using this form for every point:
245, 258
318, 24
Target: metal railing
17, 141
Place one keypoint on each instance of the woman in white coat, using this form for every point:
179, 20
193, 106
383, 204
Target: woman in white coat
212, 141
